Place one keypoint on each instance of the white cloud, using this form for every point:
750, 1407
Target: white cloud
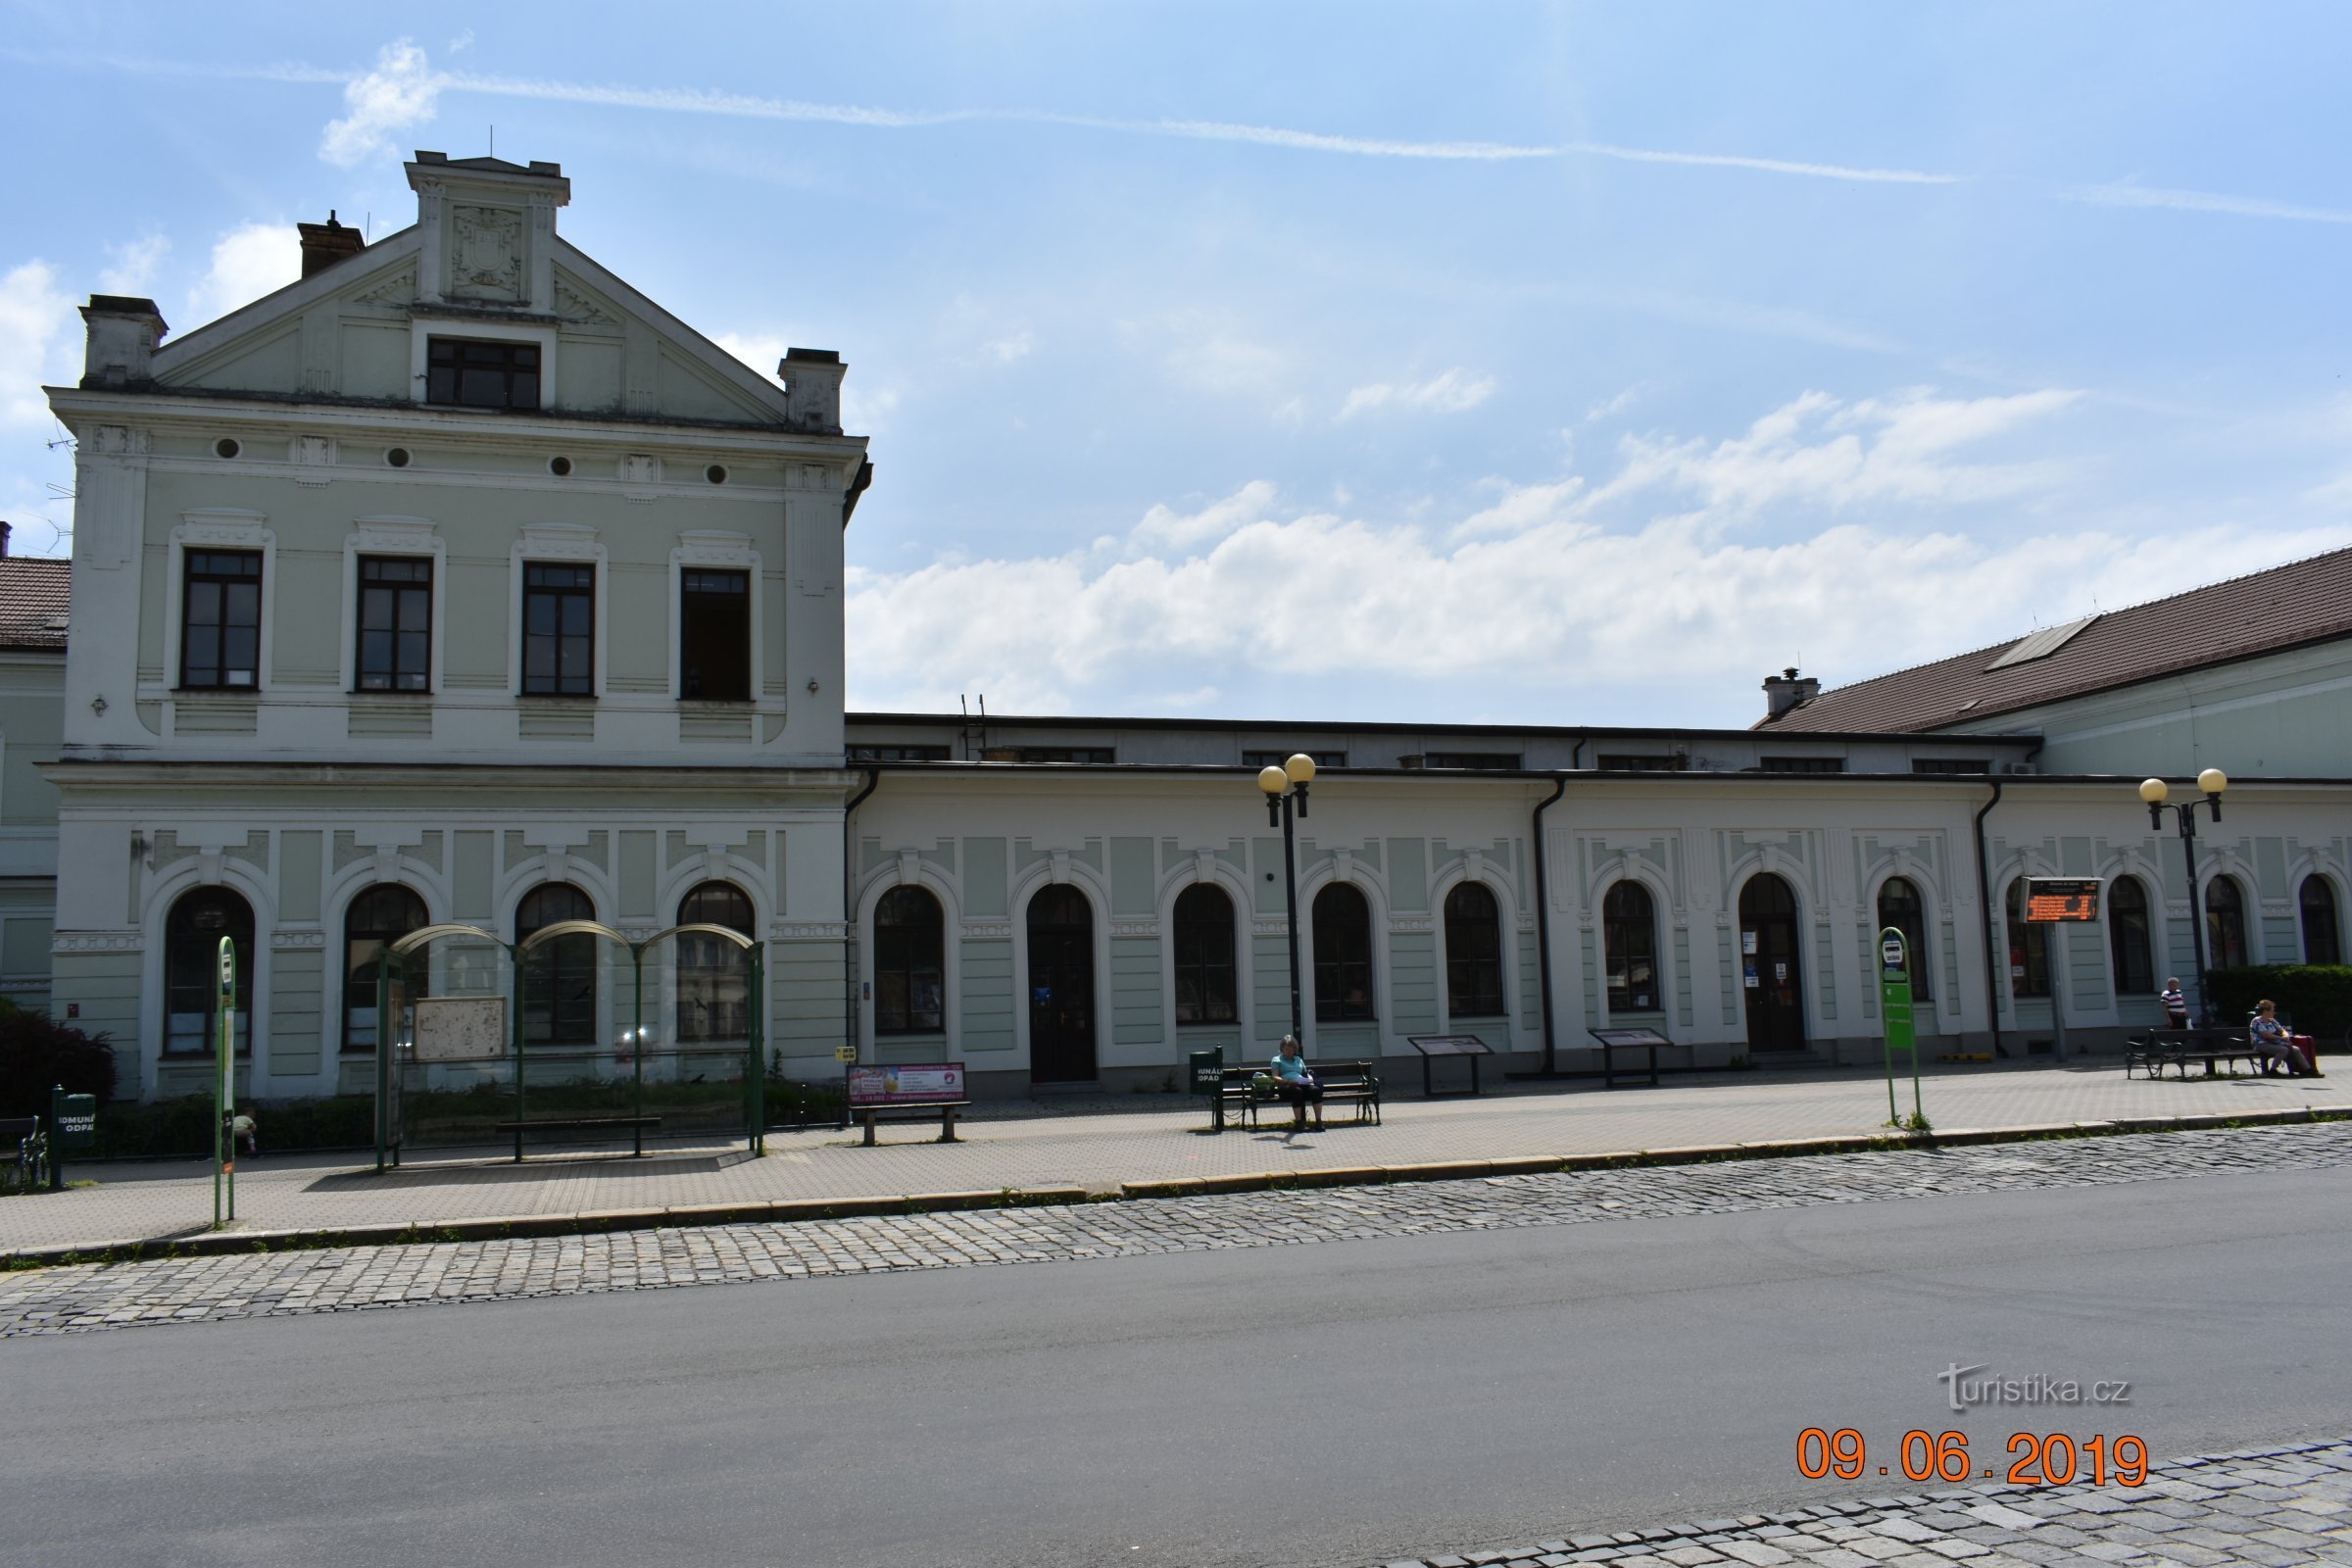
761, 351
1559, 604
2201, 201
1553, 585
1819, 449
1455, 391
1162, 527
135, 264
1616, 405
247, 263
34, 340
1013, 346
400, 92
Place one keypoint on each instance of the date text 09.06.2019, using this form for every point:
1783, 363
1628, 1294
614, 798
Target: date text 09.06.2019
2036, 1459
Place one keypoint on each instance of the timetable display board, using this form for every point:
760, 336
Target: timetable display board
2053, 898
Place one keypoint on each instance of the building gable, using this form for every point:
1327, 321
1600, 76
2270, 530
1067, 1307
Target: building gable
482, 263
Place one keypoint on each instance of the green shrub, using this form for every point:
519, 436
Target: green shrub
2318, 998
183, 1126
790, 1102
38, 1054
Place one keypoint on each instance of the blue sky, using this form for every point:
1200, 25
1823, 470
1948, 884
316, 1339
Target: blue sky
1500, 363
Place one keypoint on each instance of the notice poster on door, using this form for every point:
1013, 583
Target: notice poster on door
1747, 942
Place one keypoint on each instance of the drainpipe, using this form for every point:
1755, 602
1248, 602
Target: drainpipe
848, 919
1559, 787
1992, 990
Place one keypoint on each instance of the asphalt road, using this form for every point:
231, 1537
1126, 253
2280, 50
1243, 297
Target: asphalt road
1340, 1404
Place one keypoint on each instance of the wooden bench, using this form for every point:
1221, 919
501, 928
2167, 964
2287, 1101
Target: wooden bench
906, 1093
636, 1126
2160, 1049
22, 1152
1355, 1083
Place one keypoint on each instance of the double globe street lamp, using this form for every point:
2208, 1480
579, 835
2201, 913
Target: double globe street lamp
2153, 791
1284, 786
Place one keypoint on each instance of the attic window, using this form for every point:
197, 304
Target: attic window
478, 373
2042, 645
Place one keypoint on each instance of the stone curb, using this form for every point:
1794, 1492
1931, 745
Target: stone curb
788, 1211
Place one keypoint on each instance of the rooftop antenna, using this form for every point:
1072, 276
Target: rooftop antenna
494, 141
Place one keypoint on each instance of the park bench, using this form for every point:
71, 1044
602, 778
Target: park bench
2175, 1049
636, 1126
22, 1152
918, 1093
1355, 1083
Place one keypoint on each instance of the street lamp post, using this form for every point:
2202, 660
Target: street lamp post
1283, 786
2153, 791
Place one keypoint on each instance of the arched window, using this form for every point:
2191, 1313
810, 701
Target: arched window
714, 975
1899, 906
559, 977
2028, 948
1629, 932
1473, 953
192, 934
2322, 938
910, 939
1204, 992
1342, 926
373, 921
2225, 924
2128, 938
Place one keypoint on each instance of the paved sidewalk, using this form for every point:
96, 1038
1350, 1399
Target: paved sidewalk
1100, 1152
2276, 1508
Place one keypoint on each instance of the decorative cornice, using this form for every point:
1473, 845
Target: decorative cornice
66, 942
807, 931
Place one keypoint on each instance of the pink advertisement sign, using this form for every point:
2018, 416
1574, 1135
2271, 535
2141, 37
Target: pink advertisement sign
888, 1085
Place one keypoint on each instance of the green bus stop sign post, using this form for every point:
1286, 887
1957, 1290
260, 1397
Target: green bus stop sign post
224, 1091
1895, 1012
73, 1125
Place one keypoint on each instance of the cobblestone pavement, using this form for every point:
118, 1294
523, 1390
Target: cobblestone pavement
2275, 1507
94, 1297
1100, 1150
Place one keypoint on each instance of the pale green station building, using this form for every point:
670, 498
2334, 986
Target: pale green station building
461, 583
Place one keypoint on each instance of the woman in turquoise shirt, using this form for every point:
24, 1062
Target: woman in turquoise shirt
1297, 1084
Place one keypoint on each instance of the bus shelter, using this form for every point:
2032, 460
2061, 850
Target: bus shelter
576, 1028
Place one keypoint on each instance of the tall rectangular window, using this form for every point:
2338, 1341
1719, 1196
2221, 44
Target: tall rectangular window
474, 373
396, 623
714, 635
559, 630
220, 620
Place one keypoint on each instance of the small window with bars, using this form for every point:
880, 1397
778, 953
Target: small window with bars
1490, 761
1948, 765
1803, 764
899, 754
1644, 762
1277, 759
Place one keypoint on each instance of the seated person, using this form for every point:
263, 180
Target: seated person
2273, 1047
1297, 1084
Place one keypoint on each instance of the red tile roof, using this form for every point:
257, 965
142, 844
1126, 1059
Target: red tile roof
2286, 607
33, 596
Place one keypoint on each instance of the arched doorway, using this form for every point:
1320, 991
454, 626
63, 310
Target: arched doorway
1769, 971
1061, 987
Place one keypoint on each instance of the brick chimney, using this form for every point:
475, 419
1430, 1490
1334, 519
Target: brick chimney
1785, 691
5, 530
325, 244
123, 331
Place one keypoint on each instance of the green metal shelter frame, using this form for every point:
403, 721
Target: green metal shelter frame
393, 971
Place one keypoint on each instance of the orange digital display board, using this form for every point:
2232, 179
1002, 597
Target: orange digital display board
2050, 899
